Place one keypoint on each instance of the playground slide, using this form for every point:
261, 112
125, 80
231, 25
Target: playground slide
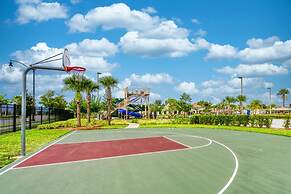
131, 113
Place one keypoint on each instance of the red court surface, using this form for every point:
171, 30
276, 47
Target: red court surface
59, 153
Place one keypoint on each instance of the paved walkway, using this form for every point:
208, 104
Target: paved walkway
133, 125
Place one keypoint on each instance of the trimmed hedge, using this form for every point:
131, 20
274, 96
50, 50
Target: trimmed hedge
227, 120
287, 123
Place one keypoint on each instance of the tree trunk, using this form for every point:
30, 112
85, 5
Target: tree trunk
109, 104
284, 100
88, 100
78, 113
241, 107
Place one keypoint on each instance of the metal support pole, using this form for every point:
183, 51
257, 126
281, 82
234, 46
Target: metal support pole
23, 112
33, 94
14, 117
23, 103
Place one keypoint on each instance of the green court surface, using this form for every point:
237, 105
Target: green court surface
216, 161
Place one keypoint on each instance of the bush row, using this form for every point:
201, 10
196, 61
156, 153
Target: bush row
72, 123
287, 123
233, 120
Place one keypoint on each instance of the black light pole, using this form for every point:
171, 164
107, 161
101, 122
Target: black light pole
270, 98
241, 85
98, 74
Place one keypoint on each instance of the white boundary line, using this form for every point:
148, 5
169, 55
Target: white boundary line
221, 191
123, 156
54, 142
234, 171
224, 188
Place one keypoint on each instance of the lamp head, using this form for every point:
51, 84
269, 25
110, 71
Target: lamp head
10, 67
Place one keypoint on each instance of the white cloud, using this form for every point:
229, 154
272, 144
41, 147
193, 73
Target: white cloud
200, 33
188, 87
264, 69
261, 43
10, 75
151, 78
115, 16
75, 1
132, 42
216, 51
39, 11
211, 83
154, 96
165, 29
149, 10
93, 48
146, 35
278, 51
87, 53
195, 21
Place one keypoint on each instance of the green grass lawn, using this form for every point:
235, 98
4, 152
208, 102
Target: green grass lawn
10, 143
282, 132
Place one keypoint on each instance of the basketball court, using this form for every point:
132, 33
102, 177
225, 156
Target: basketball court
153, 161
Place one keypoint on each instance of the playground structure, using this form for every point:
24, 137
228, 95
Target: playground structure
135, 103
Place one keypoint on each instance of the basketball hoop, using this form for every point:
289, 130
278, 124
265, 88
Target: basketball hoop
67, 64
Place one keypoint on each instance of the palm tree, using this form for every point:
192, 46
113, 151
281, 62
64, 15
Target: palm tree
255, 105
284, 94
241, 99
108, 83
229, 100
90, 86
76, 83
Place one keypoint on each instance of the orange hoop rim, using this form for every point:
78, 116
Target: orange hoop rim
74, 68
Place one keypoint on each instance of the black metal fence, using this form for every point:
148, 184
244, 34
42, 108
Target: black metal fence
10, 116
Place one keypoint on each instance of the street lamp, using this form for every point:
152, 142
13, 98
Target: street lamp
33, 77
241, 84
270, 98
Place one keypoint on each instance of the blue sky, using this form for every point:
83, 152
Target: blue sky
197, 47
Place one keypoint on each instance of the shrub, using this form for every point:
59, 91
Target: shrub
287, 123
229, 120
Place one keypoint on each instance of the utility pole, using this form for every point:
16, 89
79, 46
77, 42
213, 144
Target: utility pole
241, 93
270, 98
241, 85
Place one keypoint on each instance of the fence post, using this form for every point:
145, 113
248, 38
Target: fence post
41, 115
49, 115
14, 117
30, 116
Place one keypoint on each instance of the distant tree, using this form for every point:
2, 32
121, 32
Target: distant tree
171, 105
255, 105
49, 99
241, 99
185, 98
155, 107
3, 100
60, 102
205, 105
29, 100
108, 83
229, 101
76, 83
184, 103
284, 94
